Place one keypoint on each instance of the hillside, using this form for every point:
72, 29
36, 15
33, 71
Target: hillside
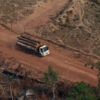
77, 25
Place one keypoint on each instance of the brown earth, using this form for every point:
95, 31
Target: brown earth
63, 61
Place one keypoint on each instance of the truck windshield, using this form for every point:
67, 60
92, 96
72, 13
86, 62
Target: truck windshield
45, 49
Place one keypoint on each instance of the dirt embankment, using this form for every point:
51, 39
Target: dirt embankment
76, 25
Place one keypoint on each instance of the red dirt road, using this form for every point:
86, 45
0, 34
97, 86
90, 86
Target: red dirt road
62, 60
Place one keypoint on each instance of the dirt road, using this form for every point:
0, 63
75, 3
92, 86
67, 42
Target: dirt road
62, 60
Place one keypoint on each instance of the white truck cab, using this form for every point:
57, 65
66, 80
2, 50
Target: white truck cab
28, 41
44, 50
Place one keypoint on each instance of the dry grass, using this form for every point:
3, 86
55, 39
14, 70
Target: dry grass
13, 10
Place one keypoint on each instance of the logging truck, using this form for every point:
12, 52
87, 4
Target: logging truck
27, 41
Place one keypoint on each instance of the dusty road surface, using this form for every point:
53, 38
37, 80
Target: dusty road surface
62, 60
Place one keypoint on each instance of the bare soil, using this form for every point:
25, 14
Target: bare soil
63, 61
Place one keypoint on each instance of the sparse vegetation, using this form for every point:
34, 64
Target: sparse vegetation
18, 87
93, 65
13, 11
76, 25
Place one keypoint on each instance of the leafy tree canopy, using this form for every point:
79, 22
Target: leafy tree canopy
50, 77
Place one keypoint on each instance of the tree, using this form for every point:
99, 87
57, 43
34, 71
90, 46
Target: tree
81, 91
11, 78
50, 78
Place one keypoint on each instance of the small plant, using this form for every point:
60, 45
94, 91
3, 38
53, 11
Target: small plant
11, 78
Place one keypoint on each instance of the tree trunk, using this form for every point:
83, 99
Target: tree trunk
53, 91
11, 92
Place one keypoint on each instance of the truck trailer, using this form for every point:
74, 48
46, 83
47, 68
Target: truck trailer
27, 41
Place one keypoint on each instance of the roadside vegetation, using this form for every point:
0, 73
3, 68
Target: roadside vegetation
81, 91
50, 79
12, 87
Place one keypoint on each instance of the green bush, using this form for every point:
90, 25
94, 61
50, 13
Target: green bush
81, 91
